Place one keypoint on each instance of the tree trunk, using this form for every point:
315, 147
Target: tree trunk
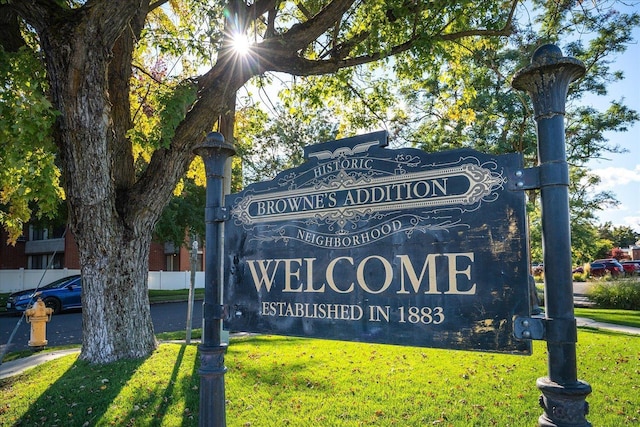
116, 318
114, 248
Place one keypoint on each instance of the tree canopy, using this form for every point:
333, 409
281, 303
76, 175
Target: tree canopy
29, 177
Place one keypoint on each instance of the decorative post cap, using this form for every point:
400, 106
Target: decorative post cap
214, 144
547, 79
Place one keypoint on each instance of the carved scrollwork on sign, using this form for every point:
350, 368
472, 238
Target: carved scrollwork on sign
351, 193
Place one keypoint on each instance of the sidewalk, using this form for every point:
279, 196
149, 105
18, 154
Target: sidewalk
15, 367
18, 366
589, 323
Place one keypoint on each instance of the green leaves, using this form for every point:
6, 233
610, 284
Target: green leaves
183, 215
174, 108
268, 147
27, 153
159, 107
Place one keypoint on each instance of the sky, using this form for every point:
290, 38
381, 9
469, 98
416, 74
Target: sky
620, 173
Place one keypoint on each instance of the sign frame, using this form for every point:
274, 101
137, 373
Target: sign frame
395, 246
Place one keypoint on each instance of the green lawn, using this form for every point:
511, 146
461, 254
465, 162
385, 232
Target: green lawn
276, 381
620, 317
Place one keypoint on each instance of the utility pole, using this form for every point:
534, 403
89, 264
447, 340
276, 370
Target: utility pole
192, 285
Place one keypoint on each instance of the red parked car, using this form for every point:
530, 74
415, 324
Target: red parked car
600, 267
631, 268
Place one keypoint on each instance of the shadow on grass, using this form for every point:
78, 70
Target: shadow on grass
161, 399
275, 339
608, 332
158, 390
82, 394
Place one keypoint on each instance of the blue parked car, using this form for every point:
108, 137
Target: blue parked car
63, 294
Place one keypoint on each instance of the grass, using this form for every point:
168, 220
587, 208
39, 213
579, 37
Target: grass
196, 334
14, 355
156, 296
279, 381
618, 317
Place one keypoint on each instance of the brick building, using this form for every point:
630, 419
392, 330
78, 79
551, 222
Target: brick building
37, 248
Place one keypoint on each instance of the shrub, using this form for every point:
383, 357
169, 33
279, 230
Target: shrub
622, 294
580, 277
538, 272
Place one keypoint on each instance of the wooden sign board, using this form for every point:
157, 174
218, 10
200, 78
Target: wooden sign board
364, 243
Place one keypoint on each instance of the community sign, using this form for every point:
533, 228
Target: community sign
370, 244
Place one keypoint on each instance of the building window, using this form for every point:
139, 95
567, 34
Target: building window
41, 261
57, 232
172, 263
39, 233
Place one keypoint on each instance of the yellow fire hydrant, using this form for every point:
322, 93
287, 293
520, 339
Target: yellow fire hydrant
38, 316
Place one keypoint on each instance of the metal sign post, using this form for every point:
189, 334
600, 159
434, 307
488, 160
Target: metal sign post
547, 80
214, 152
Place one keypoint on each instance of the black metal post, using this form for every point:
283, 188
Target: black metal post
547, 81
214, 152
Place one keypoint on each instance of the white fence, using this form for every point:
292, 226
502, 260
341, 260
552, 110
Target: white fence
17, 280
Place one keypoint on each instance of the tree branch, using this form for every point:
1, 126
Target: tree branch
299, 66
260, 7
301, 34
10, 38
119, 82
37, 13
157, 4
342, 50
470, 33
282, 53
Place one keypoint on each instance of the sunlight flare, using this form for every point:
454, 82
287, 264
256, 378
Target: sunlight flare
241, 44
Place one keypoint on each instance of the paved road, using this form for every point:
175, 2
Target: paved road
66, 328
581, 288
